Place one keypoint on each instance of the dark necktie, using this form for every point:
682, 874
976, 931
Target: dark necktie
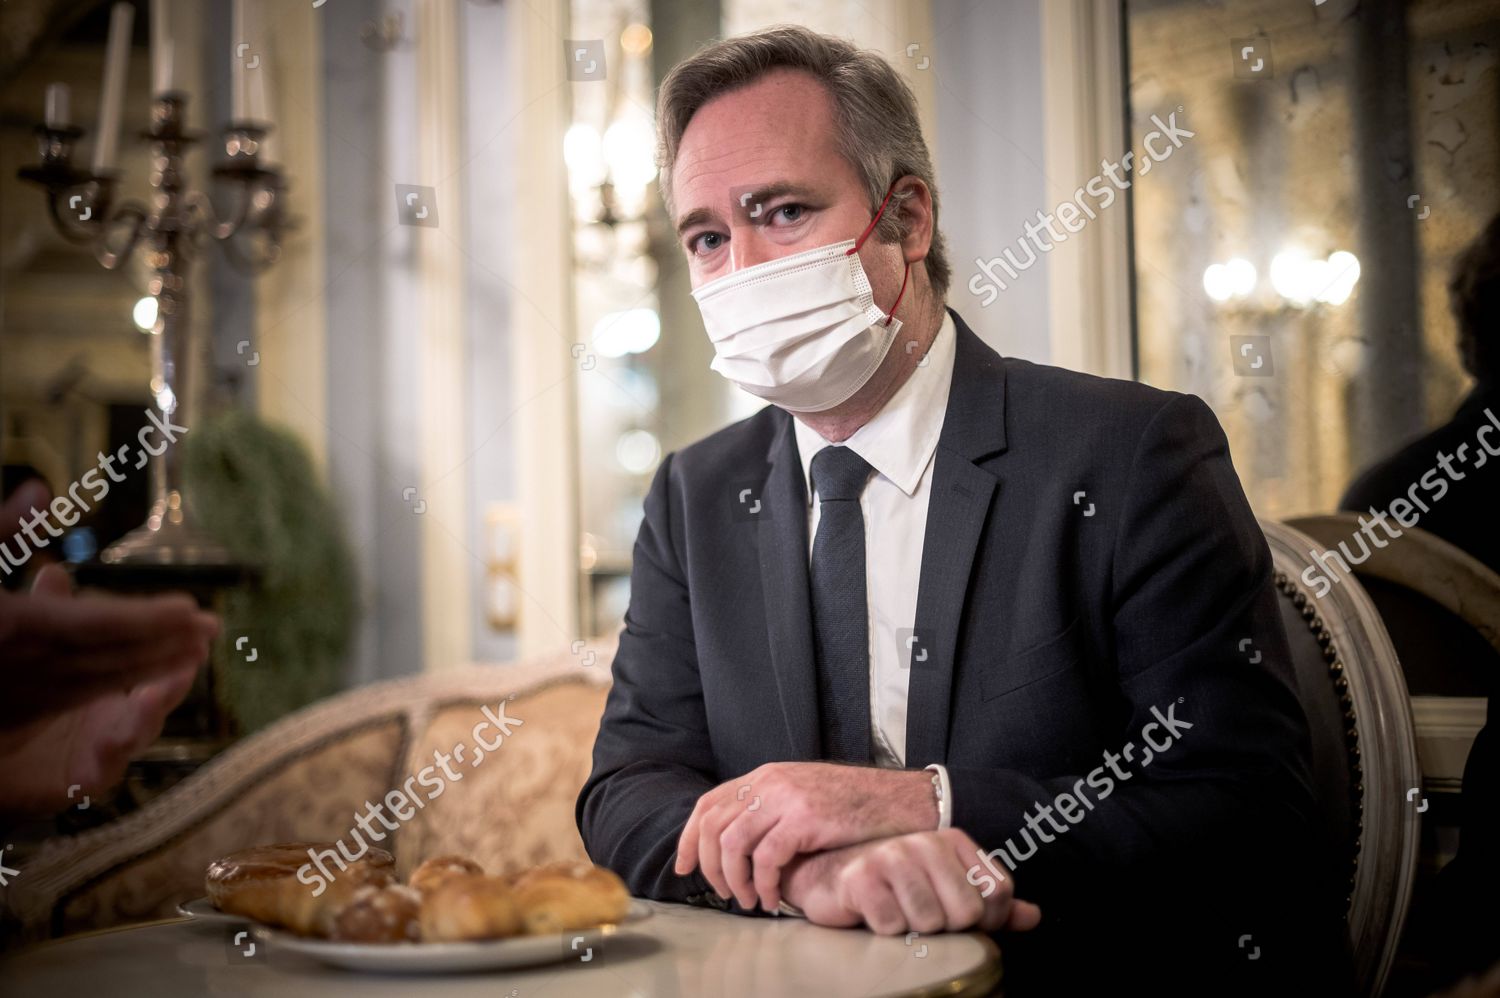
841, 623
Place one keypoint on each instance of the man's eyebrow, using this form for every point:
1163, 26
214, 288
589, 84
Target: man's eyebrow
753, 195
698, 216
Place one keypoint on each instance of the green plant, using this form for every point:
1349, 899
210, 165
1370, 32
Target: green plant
256, 491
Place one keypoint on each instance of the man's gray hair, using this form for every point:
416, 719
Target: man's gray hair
876, 112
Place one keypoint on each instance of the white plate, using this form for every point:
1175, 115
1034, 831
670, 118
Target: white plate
203, 910
429, 958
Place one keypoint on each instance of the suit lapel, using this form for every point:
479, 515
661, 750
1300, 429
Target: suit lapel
784, 579
962, 491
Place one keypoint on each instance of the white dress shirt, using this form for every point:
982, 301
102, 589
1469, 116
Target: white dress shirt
900, 444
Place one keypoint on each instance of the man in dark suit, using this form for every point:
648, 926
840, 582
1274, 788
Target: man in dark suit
940, 639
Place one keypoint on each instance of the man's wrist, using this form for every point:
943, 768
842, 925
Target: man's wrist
942, 791
921, 806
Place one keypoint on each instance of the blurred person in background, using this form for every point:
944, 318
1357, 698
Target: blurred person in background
1465, 514
88, 679
1462, 933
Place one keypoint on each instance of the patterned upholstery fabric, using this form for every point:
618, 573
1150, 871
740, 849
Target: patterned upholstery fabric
515, 809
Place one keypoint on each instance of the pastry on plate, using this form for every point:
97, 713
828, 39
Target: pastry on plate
439, 868
468, 906
262, 883
564, 896
379, 914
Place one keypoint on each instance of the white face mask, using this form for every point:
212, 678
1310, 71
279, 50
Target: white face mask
802, 332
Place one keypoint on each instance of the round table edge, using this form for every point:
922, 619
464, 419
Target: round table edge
972, 984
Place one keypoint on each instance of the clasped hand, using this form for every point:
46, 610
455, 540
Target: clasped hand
848, 845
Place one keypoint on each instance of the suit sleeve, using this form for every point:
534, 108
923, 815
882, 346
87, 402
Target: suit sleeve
1198, 641
653, 756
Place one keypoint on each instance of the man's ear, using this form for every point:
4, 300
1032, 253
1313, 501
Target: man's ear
916, 218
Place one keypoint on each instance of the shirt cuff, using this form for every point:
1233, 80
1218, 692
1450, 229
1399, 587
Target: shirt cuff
945, 796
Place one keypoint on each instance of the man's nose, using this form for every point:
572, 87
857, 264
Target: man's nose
748, 248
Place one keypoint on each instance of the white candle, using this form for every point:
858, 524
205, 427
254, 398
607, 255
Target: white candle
242, 47
163, 77
259, 93
258, 85
112, 100
251, 63
57, 105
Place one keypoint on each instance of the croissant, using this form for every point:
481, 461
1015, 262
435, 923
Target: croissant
384, 914
566, 896
466, 906
434, 871
261, 883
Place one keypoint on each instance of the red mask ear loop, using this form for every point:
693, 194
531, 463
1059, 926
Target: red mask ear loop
892, 313
905, 274
871, 227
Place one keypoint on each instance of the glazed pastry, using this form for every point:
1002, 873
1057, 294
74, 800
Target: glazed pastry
389, 914
466, 906
566, 896
262, 884
434, 871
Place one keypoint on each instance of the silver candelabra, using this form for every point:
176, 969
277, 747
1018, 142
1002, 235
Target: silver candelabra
177, 221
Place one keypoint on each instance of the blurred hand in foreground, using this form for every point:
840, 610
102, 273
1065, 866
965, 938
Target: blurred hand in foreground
88, 680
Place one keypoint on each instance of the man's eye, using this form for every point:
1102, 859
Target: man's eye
704, 242
790, 212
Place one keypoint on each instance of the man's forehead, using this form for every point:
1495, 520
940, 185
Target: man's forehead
780, 101
778, 130
739, 159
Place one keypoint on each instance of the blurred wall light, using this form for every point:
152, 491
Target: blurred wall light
1303, 280
635, 39
1343, 273
144, 314
638, 451
1298, 278
635, 330
1235, 279
584, 154
630, 153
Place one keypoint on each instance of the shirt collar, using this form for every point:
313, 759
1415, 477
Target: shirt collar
902, 437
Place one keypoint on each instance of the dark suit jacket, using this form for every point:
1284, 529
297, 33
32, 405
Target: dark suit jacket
1053, 622
1464, 516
